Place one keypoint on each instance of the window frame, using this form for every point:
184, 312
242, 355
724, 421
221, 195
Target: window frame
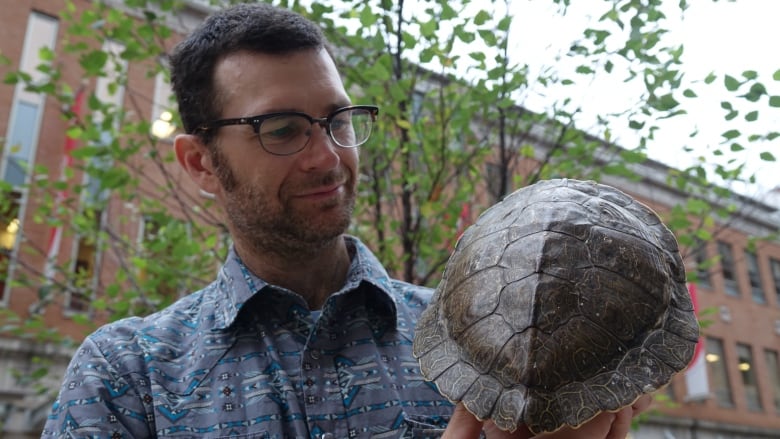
772, 360
754, 277
41, 32
746, 365
728, 268
774, 271
718, 371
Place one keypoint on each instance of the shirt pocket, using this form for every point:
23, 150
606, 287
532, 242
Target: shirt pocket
424, 427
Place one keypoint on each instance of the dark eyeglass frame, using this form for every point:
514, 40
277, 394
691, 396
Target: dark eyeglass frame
256, 121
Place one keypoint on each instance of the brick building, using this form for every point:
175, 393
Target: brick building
742, 349
740, 299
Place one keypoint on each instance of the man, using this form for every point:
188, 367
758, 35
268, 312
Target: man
303, 333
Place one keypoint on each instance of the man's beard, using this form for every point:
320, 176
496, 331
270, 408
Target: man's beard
282, 229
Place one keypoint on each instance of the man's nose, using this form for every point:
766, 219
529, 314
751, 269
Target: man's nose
321, 151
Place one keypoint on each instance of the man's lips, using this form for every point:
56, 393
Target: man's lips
323, 191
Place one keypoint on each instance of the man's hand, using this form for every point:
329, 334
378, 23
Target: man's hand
464, 425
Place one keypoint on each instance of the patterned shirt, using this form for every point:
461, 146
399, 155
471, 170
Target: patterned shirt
243, 358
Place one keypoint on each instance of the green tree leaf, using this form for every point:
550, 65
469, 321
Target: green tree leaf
367, 17
731, 83
731, 134
94, 62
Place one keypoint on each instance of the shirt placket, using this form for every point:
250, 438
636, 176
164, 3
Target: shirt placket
325, 413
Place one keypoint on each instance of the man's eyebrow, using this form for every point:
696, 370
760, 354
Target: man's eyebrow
330, 108
334, 107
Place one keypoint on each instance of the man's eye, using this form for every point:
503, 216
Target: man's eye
281, 128
340, 123
278, 131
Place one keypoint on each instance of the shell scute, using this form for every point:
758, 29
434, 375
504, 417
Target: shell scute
511, 365
483, 395
510, 409
483, 341
458, 379
577, 403
625, 316
472, 300
607, 387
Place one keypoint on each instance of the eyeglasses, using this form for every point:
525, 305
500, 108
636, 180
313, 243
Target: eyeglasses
288, 132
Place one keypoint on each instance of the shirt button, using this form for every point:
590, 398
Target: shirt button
314, 354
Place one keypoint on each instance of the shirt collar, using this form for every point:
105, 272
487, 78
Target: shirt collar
236, 284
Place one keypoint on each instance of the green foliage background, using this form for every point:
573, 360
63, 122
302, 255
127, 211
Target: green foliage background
438, 138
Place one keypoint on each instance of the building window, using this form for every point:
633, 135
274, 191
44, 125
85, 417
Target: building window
84, 269
773, 367
162, 109
21, 142
747, 371
774, 265
756, 289
9, 234
703, 264
728, 268
27, 108
718, 372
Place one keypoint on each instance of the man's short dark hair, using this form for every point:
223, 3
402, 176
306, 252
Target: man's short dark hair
257, 27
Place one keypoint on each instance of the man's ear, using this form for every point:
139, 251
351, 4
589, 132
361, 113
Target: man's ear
195, 159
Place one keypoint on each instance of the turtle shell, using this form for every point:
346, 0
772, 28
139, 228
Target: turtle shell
564, 300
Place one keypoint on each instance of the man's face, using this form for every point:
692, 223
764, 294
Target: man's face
282, 203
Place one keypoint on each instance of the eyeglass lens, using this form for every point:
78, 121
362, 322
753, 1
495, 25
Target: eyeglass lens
287, 134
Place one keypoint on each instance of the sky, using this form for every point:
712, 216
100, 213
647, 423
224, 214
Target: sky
719, 36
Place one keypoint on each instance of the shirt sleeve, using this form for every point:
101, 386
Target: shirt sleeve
96, 401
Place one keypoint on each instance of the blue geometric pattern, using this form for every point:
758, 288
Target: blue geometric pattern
242, 358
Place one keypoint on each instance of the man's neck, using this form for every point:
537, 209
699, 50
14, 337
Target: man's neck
315, 275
